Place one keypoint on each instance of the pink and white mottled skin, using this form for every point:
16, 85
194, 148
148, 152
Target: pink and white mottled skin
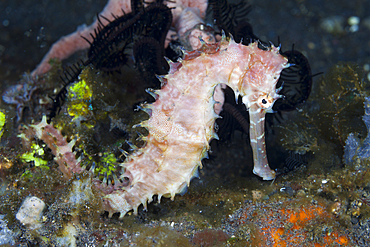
68, 45
182, 118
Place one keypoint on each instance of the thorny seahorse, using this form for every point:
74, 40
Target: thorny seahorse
182, 118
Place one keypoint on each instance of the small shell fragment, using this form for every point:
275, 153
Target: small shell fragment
30, 212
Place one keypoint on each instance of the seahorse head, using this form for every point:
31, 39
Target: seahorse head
260, 78
258, 89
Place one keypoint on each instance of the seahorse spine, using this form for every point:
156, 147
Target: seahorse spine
182, 118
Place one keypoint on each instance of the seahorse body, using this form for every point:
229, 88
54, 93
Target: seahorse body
182, 118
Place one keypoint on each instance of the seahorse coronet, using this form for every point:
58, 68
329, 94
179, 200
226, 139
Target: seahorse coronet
182, 118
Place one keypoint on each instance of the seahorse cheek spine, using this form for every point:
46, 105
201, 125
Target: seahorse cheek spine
182, 118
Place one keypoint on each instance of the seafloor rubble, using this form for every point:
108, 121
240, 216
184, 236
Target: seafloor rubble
320, 198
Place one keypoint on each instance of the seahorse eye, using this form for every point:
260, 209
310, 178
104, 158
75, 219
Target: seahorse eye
265, 101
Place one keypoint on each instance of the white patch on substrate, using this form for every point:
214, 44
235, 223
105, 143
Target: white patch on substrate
30, 212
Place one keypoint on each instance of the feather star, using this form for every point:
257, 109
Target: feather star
187, 15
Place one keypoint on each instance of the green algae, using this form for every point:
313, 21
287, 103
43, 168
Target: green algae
340, 96
333, 111
79, 99
2, 123
35, 156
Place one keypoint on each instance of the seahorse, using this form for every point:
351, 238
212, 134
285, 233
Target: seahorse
181, 122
